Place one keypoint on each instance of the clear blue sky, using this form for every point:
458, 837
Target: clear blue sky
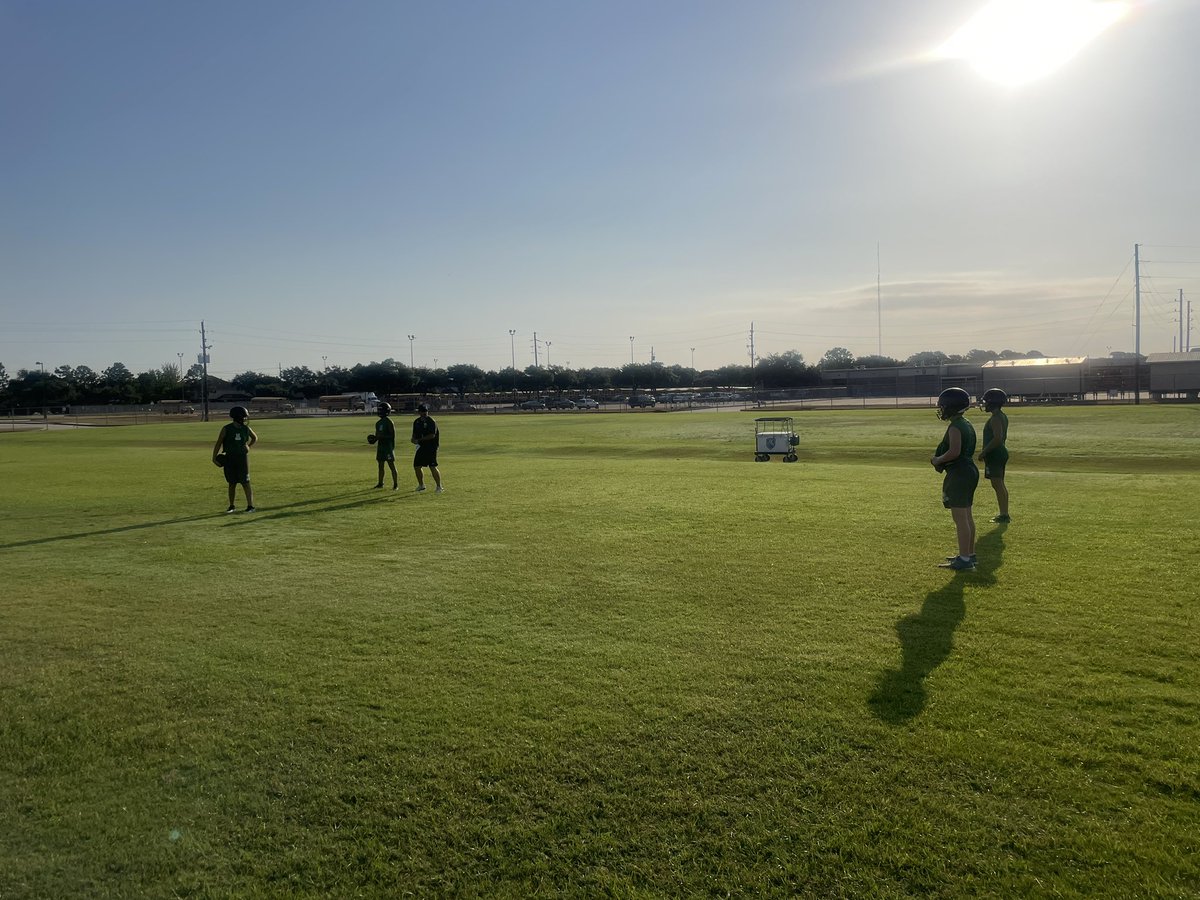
318, 180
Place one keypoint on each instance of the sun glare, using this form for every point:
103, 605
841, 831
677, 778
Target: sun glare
1014, 42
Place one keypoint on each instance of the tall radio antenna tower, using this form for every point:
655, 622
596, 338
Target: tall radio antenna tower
878, 299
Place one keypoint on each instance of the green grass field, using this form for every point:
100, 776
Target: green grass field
617, 658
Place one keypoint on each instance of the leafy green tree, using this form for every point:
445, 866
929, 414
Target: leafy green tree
837, 358
3, 381
600, 378
730, 376
876, 362
927, 358
784, 370
467, 378
537, 378
387, 377
249, 381
191, 381
119, 384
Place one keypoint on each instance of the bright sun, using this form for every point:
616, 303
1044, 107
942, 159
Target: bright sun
1014, 42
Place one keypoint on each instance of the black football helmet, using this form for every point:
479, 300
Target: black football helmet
952, 401
993, 399
384, 408
239, 414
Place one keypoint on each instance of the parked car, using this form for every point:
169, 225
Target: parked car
586, 403
560, 403
642, 400
532, 404
462, 406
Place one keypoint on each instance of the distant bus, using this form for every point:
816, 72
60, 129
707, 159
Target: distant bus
348, 402
410, 402
271, 404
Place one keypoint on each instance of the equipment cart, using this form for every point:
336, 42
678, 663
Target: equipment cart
775, 436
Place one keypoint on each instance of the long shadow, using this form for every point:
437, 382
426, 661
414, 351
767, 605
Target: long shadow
77, 535
282, 512
927, 637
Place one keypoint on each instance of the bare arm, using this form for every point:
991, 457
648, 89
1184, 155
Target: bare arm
219, 443
253, 438
999, 433
953, 451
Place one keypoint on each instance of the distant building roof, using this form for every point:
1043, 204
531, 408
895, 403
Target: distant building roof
1173, 357
1042, 361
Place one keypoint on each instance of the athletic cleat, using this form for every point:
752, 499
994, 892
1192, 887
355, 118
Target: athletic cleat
440, 490
379, 485
420, 487
952, 558
251, 509
1002, 520
231, 509
958, 564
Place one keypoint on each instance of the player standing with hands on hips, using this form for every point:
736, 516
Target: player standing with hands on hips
230, 453
994, 454
425, 437
955, 456
384, 439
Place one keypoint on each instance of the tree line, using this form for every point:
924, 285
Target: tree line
67, 385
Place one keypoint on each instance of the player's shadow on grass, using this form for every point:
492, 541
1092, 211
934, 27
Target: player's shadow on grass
141, 526
927, 637
289, 510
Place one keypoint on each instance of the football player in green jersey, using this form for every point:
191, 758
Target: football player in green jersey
994, 454
385, 444
955, 457
233, 446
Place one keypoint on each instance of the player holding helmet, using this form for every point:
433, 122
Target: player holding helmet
230, 453
994, 454
384, 440
955, 456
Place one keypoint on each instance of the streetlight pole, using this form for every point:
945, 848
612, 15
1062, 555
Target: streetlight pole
512, 340
631, 349
411, 338
43, 385
180, 355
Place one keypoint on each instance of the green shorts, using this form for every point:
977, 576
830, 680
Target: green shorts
958, 487
994, 465
237, 469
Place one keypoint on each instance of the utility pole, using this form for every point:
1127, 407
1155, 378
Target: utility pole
631, 360
1181, 320
180, 355
752, 355
1189, 326
1137, 326
512, 340
535, 350
204, 348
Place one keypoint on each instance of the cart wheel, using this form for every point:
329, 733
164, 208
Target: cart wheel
762, 457
791, 457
